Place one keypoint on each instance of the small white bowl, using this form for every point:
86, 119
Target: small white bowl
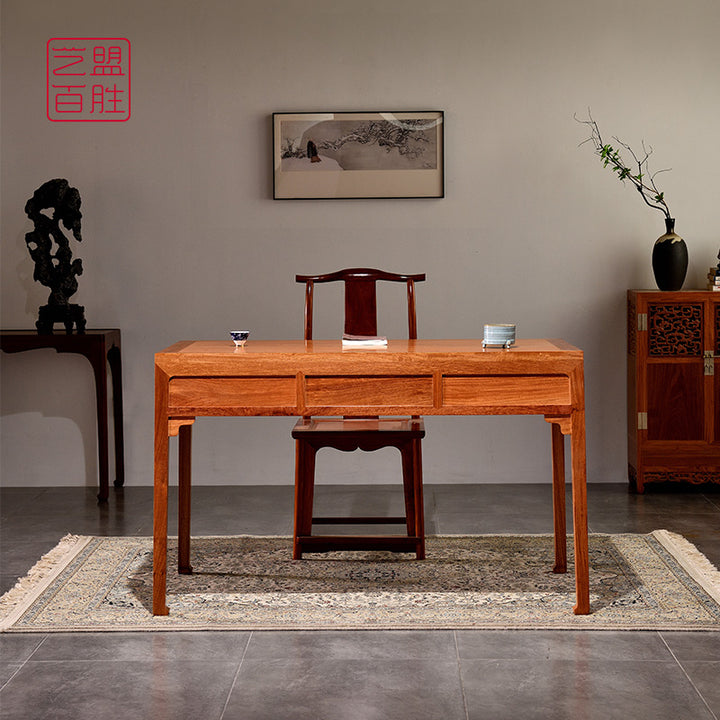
239, 337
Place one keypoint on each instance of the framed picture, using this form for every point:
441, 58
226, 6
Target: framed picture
358, 155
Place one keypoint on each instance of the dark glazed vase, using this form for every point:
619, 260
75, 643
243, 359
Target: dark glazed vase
670, 258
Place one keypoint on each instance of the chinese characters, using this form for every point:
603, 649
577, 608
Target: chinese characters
88, 79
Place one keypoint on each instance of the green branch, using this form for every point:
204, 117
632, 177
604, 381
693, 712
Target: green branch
638, 174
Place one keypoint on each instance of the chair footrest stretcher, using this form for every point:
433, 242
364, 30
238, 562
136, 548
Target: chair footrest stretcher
326, 543
396, 520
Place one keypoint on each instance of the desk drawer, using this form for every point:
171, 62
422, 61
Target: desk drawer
373, 392
506, 391
232, 393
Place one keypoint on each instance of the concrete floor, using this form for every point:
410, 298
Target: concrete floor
360, 675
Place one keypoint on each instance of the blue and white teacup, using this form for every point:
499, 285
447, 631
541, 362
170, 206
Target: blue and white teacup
239, 337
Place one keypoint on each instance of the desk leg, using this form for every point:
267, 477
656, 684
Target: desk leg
580, 521
160, 519
559, 521
115, 362
160, 496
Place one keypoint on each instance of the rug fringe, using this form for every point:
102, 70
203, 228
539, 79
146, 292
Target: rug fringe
692, 561
28, 588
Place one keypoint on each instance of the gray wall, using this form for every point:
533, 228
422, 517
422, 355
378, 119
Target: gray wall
183, 241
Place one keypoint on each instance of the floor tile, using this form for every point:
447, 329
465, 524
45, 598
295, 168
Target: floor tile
7, 672
680, 499
705, 676
19, 648
17, 557
459, 523
492, 498
16, 500
359, 500
590, 689
81, 690
693, 645
156, 647
229, 523
578, 646
714, 497
349, 689
341, 645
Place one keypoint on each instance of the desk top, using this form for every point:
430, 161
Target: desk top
324, 347
400, 357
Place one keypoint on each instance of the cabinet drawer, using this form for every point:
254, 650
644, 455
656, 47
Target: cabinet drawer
507, 391
375, 392
232, 393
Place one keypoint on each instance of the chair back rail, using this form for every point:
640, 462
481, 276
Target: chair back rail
360, 298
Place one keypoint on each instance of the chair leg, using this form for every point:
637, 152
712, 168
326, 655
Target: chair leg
304, 491
413, 488
184, 499
408, 463
560, 526
419, 500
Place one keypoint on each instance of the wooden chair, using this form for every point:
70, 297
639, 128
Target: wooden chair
348, 434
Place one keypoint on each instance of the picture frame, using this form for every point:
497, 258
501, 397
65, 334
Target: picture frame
351, 155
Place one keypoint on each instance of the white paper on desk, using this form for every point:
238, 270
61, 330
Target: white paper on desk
363, 340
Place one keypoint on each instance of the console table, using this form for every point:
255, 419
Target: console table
99, 347
409, 377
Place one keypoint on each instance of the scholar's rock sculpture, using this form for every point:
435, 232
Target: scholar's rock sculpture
52, 203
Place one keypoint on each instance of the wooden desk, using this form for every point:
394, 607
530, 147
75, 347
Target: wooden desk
409, 377
99, 347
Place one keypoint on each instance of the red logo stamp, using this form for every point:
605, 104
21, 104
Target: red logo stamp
88, 79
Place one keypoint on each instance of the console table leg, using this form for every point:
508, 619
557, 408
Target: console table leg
115, 362
97, 360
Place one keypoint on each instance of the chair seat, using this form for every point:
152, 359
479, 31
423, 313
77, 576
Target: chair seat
412, 427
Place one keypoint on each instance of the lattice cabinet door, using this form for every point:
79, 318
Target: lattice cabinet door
673, 387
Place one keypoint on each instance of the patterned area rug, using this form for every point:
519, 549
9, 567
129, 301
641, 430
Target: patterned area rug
637, 582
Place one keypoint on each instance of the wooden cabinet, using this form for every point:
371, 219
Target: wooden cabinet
673, 387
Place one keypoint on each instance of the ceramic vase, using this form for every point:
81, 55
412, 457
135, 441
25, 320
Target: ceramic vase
670, 258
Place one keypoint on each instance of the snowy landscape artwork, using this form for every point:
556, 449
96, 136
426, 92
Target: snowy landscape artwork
358, 155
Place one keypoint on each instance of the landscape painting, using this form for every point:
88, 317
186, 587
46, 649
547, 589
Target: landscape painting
358, 155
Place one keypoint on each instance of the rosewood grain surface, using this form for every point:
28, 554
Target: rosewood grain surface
673, 387
409, 377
